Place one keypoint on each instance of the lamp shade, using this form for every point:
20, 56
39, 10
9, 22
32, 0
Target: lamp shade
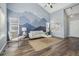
47, 24
47, 27
24, 29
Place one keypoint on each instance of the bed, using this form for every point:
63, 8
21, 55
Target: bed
36, 34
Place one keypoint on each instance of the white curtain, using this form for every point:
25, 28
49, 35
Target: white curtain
2, 24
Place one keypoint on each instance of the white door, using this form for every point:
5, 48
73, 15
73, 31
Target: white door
13, 27
74, 28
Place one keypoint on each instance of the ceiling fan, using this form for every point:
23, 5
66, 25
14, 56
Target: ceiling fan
49, 5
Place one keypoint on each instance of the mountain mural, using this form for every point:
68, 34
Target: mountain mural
41, 28
29, 20
29, 27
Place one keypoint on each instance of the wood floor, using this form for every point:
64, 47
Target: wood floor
67, 47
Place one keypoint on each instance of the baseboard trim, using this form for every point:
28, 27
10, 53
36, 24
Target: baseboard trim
65, 37
3, 47
60, 37
74, 37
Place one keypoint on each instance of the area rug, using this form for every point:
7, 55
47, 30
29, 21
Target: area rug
42, 43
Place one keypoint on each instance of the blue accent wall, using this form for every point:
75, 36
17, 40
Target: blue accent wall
29, 20
31, 15
32, 22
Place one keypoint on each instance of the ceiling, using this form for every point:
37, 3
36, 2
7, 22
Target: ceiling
56, 6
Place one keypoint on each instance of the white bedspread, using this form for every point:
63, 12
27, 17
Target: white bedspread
37, 34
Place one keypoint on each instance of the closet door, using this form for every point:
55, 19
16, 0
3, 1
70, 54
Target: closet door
74, 28
13, 27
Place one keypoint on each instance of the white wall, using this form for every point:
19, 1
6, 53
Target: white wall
57, 17
73, 19
3, 34
66, 25
69, 25
74, 26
